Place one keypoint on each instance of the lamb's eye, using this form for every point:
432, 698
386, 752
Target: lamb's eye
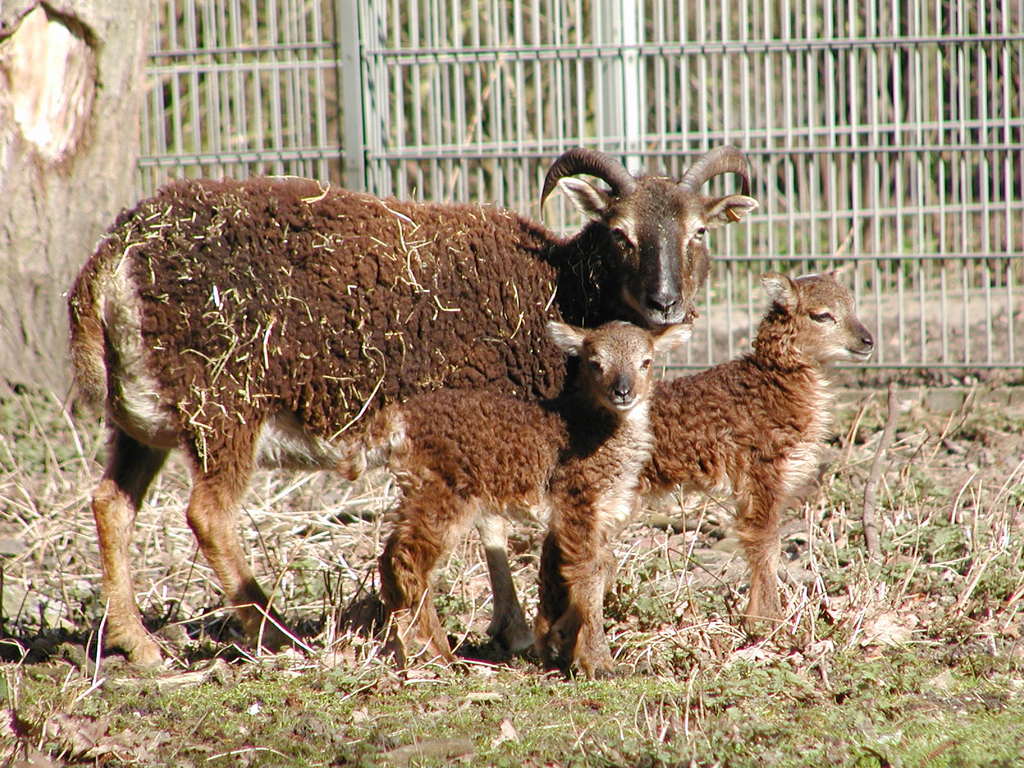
700, 233
822, 317
596, 366
645, 365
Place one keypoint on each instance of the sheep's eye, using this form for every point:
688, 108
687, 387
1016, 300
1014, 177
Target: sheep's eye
596, 366
621, 238
700, 233
645, 365
822, 317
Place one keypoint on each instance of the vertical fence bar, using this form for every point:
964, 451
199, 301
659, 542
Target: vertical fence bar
347, 31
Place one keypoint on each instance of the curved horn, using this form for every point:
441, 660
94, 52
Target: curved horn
726, 159
593, 163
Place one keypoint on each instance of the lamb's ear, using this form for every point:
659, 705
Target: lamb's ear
566, 337
671, 337
838, 272
590, 200
781, 290
726, 210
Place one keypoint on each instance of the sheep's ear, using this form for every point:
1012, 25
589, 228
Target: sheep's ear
845, 269
566, 337
591, 201
726, 210
781, 290
671, 337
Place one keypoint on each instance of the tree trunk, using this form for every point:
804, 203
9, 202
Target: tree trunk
71, 88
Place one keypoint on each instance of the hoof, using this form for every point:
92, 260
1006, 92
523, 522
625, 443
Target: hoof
514, 638
601, 668
272, 639
144, 653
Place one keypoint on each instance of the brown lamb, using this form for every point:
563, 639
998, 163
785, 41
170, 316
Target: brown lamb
753, 426
251, 323
462, 457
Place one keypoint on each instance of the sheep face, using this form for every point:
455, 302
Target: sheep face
818, 317
654, 234
616, 360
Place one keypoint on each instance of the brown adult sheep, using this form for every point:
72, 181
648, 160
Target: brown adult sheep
463, 456
250, 323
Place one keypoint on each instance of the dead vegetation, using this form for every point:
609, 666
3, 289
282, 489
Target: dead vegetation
948, 585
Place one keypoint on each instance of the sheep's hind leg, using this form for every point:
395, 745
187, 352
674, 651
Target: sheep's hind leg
430, 521
405, 567
131, 467
757, 524
508, 624
215, 498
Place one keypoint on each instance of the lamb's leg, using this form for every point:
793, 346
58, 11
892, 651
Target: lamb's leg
430, 521
577, 636
131, 467
552, 597
216, 495
508, 624
587, 586
405, 567
757, 524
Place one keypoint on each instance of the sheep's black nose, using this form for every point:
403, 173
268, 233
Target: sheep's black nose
622, 387
867, 341
662, 302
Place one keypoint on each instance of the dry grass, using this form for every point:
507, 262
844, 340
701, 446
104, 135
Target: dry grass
950, 513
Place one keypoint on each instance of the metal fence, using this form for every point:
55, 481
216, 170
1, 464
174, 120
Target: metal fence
886, 133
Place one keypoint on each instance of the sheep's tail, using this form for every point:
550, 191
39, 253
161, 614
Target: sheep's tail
380, 443
88, 337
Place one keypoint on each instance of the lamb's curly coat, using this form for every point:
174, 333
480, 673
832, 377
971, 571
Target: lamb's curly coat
754, 426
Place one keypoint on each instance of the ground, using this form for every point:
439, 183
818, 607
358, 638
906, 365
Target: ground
913, 659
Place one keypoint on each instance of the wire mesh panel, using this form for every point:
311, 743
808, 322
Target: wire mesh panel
240, 87
884, 133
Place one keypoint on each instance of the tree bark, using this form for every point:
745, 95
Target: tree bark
71, 89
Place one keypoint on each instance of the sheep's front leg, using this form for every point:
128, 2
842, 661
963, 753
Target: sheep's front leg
570, 619
508, 623
552, 597
131, 468
757, 524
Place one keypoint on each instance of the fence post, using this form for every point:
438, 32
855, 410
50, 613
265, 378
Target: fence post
347, 34
631, 82
621, 115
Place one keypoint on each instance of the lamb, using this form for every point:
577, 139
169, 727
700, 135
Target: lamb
252, 323
463, 456
755, 425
